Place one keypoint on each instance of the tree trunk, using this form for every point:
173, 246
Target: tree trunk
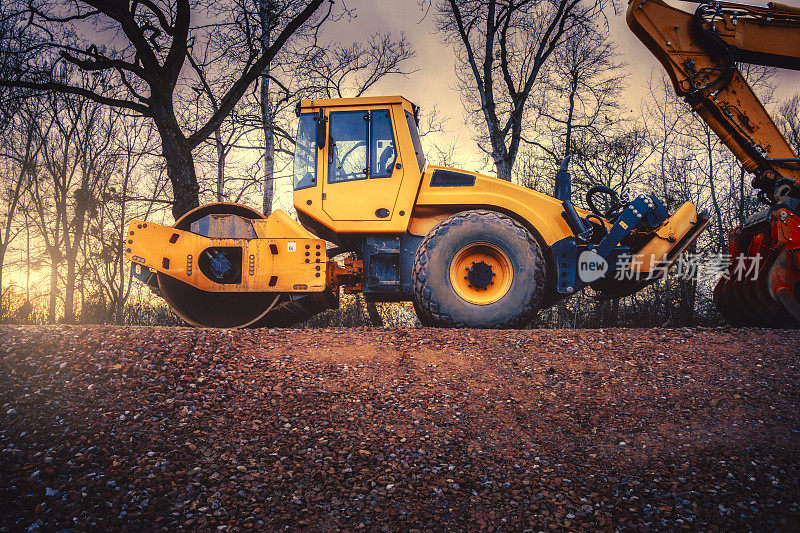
269, 148
69, 291
27, 260
3, 249
266, 12
119, 305
119, 317
504, 169
687, 302
82, 197
51, 312
220, 166
570, 115
742, 174
180, 170
561, 313
714, 201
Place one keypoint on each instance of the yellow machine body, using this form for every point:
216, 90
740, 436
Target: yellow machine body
282, 257
414, 205
365, 188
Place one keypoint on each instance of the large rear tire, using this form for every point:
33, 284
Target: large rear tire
478, 269
424, 318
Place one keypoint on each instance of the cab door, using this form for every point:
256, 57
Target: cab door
363, 171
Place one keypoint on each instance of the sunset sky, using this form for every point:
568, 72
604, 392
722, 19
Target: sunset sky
434, 83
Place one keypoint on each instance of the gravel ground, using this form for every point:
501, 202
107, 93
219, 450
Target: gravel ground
106, 428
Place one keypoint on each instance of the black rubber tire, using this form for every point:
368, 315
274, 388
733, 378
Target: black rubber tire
424, 318
435, 299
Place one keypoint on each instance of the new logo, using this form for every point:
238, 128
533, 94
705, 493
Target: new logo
591, 266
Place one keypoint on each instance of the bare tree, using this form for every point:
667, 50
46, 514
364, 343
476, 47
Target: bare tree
789, 121
577, 111
75, 160
132, 147
266, 16
21, 148
581, 96
231, 130
139, 53
502, 48
350, 71
615, 160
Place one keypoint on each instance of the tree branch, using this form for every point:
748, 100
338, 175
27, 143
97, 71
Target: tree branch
80, 91
233, 95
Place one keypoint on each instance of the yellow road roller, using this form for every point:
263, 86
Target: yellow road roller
374, 218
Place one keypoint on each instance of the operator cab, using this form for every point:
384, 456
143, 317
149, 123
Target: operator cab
355, 161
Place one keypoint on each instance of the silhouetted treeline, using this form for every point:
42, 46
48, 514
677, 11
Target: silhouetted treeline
193, 102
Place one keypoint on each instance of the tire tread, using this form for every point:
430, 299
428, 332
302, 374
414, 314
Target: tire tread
424, 301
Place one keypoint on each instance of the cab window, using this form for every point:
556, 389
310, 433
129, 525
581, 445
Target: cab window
382, 149
362, 145
305, 152
347, 154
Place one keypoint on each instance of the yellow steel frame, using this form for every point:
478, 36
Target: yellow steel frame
534, 209
284, 258
665, 238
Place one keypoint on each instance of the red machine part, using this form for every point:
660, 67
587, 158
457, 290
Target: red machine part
762, 284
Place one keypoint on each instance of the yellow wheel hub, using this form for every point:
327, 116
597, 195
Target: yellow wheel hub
481, 273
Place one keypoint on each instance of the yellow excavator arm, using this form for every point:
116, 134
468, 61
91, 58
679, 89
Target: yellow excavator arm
700, 52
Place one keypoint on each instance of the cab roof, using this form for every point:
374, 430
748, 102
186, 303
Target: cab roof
361, 101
